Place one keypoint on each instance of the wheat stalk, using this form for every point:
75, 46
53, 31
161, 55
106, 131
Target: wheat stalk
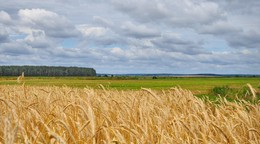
32, 114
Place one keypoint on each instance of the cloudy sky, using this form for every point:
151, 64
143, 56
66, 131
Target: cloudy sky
135, 36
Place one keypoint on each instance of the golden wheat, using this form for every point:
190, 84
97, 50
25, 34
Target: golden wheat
20, 78
69, 115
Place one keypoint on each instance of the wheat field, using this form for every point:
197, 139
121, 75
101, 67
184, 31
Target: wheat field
31, 114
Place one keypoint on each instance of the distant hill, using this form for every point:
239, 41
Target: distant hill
46, 71
184, 75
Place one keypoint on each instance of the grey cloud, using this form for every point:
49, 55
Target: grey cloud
240, 6
4, 37
99, 42
127, 28
123, 33
102, 21
15, 49
214, 59
138, 31
178, 13
235, 37
61, 53
173, 43
53, 24
142, 10
209, 62
220, 28
241, 29
193, 14
234, 61
250, 39
121, 36
106, 41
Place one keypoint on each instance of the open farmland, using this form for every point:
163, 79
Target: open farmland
38, 114
198, 85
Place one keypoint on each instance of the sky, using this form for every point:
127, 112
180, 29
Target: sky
133, 36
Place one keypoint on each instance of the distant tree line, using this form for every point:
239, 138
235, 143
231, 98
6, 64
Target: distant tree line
46, 71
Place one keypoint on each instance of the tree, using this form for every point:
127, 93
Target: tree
46, 71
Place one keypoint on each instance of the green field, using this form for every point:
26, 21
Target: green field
198, 85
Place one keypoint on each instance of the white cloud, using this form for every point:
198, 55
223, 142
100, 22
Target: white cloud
92, 31
5, 18
37, 39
